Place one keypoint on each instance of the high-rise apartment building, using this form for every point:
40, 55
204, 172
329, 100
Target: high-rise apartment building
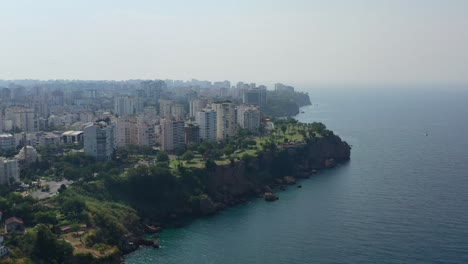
172, 134
197, 105
177, 110
206, 120
9, 169
226, 123
249, 117
192, 134
125, 105
165, 107
99, 140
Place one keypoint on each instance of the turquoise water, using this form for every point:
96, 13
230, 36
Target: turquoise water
403, 198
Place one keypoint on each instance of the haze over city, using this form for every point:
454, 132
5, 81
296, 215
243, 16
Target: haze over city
297, 42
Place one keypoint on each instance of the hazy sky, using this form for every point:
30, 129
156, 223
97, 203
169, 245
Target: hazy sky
291, 41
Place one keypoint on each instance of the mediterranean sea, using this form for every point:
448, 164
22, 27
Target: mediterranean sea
403, 197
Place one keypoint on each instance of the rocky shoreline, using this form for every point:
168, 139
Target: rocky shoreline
237, 183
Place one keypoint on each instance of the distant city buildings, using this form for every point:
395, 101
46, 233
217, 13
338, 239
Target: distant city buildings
255, 96
125, 105
279, 87
172, 113
22, 118
165, 107
196, 105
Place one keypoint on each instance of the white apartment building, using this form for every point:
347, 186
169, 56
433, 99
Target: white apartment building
8, 169
206, 120
226, 124
248, 117
99, 140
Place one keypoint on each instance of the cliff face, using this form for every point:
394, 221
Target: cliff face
285, 104
231, 183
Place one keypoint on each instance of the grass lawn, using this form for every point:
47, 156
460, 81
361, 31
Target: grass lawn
98, 250
291, 134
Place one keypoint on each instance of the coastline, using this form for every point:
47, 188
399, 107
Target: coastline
232, 184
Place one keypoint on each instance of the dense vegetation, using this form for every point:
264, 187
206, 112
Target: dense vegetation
105, 204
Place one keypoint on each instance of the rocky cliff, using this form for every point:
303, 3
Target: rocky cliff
285, 104
233, 183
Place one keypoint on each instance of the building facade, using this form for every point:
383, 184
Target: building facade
249, 117
206, 120
255, 96
226, 125
172, 134
99, 140
192, 134
9, 169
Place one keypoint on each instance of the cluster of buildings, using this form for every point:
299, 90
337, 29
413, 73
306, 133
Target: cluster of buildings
105, 115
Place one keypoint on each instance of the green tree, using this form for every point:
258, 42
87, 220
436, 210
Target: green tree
179, 151
48, 218
283, 129
73, 206
47, 249
162, 157
188, 155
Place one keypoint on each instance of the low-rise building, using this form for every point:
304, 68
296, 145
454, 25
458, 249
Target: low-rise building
71, 137
14, 224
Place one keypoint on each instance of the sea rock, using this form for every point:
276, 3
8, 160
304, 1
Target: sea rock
220, 206
207, 206
267, 189
145, 242
330, 163
152, 229
289, 180
270, 197
278, 181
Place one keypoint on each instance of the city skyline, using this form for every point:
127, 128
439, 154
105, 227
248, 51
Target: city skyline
299, 42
